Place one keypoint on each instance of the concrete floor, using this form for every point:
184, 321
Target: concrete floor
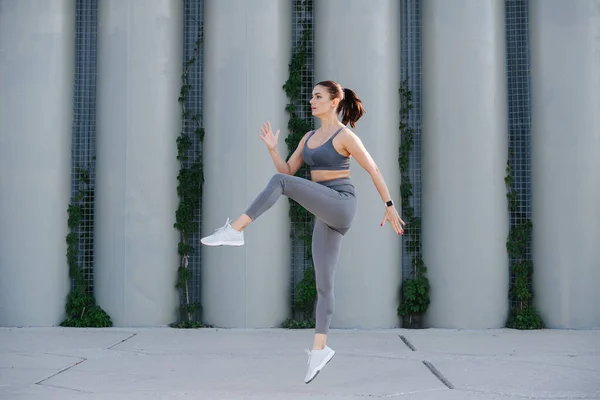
165, 363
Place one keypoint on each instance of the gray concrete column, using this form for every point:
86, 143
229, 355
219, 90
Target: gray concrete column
565, 65
246, 57
464, 206
139, 118
36, 108
358, 45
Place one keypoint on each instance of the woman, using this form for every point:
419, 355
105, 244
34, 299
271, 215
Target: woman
329, 195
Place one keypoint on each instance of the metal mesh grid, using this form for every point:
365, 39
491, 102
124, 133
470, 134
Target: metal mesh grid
519, 110
302, 18
411, 69
83, 147
193, 48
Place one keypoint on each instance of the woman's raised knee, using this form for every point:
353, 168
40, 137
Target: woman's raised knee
277, 179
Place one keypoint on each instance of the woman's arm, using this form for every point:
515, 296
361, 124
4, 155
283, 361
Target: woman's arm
355, 147
293, 164
295, 161
280, 164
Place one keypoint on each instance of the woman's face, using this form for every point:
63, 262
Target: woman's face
320, 103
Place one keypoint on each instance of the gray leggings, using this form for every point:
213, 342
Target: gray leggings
334, 204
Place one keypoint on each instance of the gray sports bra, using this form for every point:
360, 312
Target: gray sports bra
324, 157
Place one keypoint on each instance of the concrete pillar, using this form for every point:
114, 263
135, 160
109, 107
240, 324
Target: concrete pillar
358, 45
246, 57
465, 211
139, 118
36, 108
565, 44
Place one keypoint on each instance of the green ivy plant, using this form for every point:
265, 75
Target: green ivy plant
298, 81
415, 289
189, 189
81, 308
522, 315
306, 295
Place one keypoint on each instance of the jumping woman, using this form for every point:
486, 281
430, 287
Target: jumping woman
329, 195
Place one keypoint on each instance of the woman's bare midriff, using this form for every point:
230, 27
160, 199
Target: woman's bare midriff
319, 176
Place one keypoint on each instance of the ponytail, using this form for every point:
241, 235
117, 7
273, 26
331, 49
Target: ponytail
350, 107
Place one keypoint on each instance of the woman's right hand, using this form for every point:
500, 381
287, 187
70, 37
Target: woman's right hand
268, 137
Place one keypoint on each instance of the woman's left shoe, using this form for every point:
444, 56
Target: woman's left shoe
224, 236
317, 359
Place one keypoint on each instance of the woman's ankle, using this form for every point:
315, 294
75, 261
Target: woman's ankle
236, 228
241, 223
320, 341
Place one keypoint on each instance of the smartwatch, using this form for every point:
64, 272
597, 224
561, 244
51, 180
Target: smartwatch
389, 203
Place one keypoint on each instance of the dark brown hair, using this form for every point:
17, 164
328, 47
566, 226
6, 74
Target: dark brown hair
350, 105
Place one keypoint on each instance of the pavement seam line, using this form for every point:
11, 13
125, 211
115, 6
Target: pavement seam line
407, 343
438, 374
61, 371
123, 341
64, 388
390, 395
524, 396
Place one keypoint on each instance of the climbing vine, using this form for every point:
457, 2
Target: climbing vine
414, 290
297, 82
189, 189
81, 307
522, 313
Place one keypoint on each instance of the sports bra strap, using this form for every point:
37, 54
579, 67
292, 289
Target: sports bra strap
336, 132
331, 138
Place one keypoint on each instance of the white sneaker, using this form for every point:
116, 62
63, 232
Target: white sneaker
224, 236
317, 359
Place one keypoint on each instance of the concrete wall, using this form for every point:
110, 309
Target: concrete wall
139, 69
246, 56
565, 64
465, 216
247, 51
36, 97
358, 45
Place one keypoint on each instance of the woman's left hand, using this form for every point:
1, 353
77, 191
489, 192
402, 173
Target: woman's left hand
392, 216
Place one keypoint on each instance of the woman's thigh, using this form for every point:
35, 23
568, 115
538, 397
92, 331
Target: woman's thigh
336, 209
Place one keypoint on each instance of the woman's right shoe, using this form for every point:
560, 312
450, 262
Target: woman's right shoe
224, 236
317, 359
